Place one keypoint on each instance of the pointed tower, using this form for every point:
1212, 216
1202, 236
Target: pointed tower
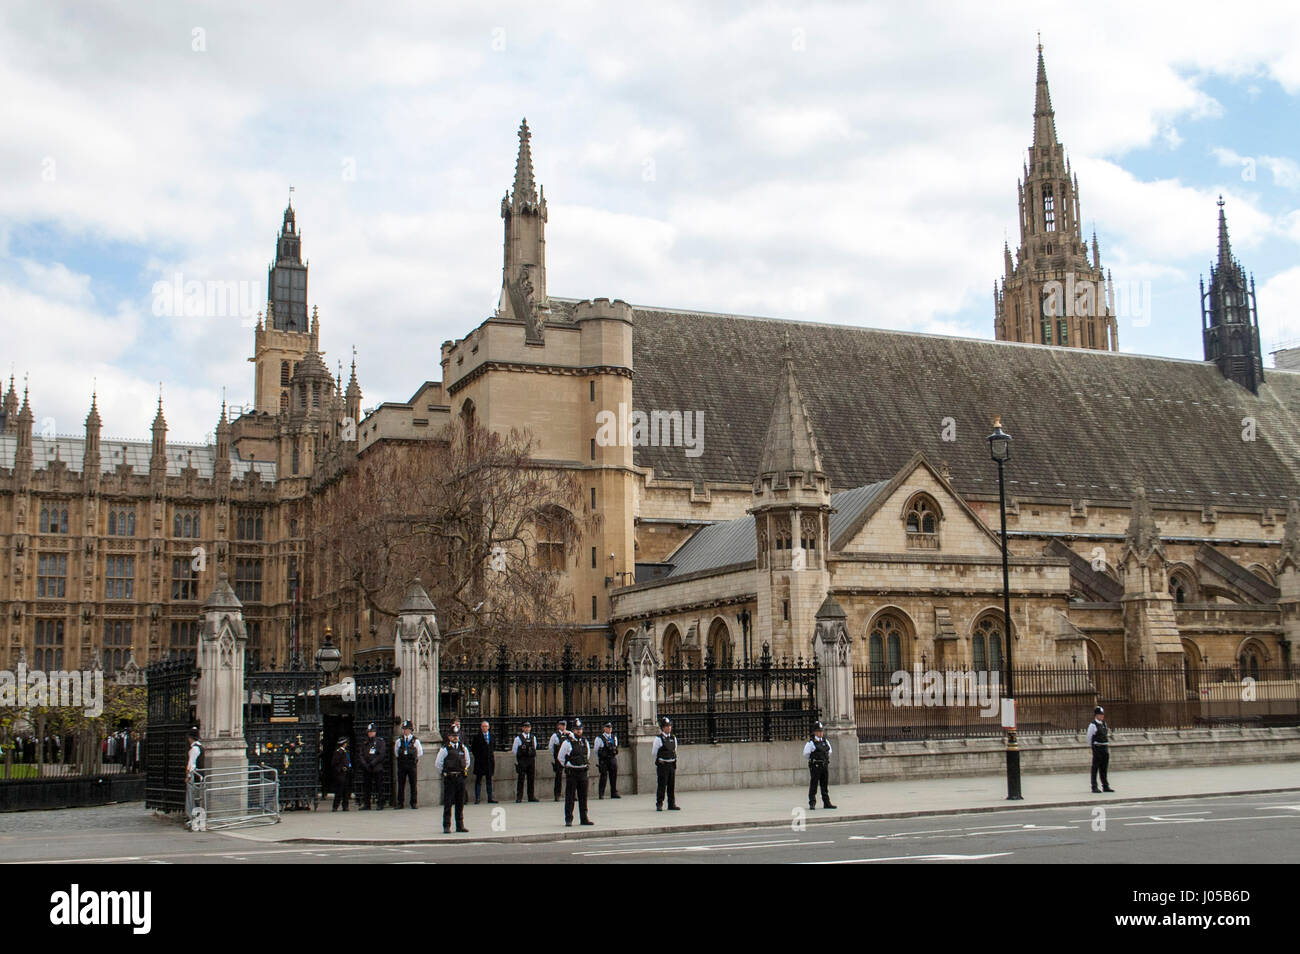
92, 458
286, 280
1229, 320
9, 408
221, 458
287, 334
1151, 634
523, 276
158, 453
791, 508
23, 450
1051, 294
352, 396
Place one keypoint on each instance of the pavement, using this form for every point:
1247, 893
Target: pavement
762, 807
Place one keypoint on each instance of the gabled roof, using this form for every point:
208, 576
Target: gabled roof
733, 542
1086, 424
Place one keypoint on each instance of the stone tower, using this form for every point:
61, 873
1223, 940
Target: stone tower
1229, 320
1150, 629
1051, 293
523, 276
285, 337
791, 508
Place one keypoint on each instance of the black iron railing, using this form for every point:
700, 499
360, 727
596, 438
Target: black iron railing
763, 700
170, 716
505, 689
962, 704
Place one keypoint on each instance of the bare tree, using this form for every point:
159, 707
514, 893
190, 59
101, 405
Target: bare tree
487, 529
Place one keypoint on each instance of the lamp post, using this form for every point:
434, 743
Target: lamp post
1000, 451
328, 657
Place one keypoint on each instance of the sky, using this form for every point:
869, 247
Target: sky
853, 163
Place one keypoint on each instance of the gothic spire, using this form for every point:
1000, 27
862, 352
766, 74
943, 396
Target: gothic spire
1225, 249
1044, 117
1142, 535
790, 445
525, 190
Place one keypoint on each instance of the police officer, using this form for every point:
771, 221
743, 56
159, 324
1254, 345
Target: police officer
1099, 739
453, 763
374, 758
818, 754
194, 760
606, 749
409, 751
557, 739
525, 752
664, 753
341, 767
574, 755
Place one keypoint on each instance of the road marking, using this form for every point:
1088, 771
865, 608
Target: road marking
721, 847
867, 861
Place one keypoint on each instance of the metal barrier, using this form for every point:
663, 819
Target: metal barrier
232, 798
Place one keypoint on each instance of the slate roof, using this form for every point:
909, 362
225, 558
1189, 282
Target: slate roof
1085, 424
732, 541
71, 450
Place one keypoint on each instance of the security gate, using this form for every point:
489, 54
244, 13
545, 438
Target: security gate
170, 717
282, 724
375, 702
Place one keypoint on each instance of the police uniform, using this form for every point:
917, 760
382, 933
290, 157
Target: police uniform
408, 751
194, 762
374, 763
525, 752
664, 753
818, 754
341, 766
606, 749
453, 764
557, 739
574, 756
1099, 739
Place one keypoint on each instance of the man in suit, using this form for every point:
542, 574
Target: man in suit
480, 750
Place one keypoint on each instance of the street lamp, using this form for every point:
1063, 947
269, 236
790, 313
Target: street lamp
1000, 451
328, 657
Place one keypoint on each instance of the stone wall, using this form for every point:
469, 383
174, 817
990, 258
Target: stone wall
1166, 748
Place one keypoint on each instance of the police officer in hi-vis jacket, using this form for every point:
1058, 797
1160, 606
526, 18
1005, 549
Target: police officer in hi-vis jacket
525, 752
818, 754
452, 764
1099, 739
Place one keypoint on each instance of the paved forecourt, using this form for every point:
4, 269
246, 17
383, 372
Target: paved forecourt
711, 811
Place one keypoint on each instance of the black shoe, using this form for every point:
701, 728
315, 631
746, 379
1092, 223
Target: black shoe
463, 831
336, 808
616, 796
493, 801
828, 805
659, 808
557, 798
1108, 789
414, 806
812, 806
476, 801
589, 823
364, 808
534, 799
379, 808
1096, 791
568, 824
674, 808
599, 797
519, 801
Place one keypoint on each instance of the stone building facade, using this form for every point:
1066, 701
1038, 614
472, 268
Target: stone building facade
746, 472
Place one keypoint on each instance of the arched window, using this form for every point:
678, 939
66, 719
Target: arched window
176, 526
1049, 209
1182, 586
921, 520
886, 647
1251, 658
112, 523
45, 520
720, 643
986, 643
284, 374
554, 528
672, 646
